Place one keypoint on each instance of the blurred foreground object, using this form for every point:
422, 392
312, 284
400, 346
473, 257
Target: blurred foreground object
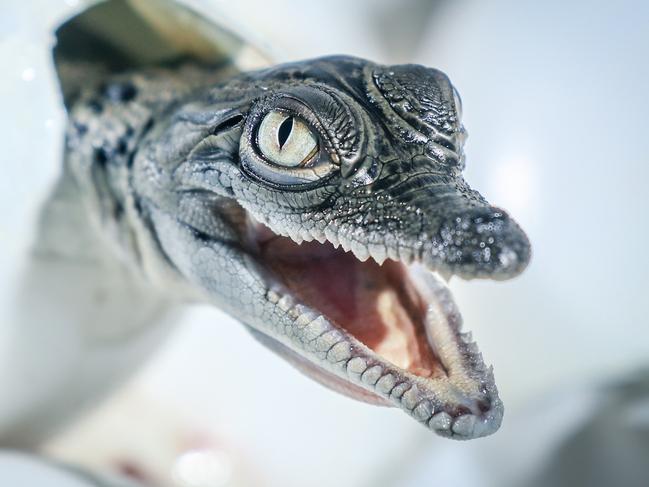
19, 469
74, 320
154, 444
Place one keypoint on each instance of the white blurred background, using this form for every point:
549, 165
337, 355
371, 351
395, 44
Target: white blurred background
555, 102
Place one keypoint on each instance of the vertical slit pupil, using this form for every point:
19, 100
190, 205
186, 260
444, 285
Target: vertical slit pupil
284, 131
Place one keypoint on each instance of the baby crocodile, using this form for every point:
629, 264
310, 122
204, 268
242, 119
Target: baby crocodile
317, 202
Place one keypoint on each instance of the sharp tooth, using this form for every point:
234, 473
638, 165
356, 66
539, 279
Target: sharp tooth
273, 296
360, 251
306, 236
345, 244
321, 238
391, 248
331, 235
296, 237
378, 253
286, 303
380, 260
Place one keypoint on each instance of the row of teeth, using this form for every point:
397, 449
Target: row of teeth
315, 332
332, 346
379, 252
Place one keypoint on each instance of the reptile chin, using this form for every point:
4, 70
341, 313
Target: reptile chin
387, 334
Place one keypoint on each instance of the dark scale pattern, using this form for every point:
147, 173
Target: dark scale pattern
120, 92
415, 93
96, 105
101, 156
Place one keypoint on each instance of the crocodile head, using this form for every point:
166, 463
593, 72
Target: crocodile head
319, 203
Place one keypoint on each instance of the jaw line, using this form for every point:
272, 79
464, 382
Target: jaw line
463, 404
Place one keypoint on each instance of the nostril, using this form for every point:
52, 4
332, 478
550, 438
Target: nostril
508, 258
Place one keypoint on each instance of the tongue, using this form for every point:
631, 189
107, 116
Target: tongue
375, 303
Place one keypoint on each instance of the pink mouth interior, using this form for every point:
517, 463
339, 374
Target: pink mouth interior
377, 304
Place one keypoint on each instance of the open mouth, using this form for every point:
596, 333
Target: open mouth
384, 333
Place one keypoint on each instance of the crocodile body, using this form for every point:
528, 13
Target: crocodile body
316, 256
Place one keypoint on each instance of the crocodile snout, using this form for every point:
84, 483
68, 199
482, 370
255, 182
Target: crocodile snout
482, 242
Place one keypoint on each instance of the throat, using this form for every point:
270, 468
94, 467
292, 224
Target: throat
377, 304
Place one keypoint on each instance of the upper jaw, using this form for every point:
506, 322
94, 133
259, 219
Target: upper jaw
481, 242
451, 230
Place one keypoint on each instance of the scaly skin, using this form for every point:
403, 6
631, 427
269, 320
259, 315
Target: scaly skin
169, 166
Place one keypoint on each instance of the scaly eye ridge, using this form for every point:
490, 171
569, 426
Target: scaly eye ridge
286, 140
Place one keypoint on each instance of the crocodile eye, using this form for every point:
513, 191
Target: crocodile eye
286, 140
